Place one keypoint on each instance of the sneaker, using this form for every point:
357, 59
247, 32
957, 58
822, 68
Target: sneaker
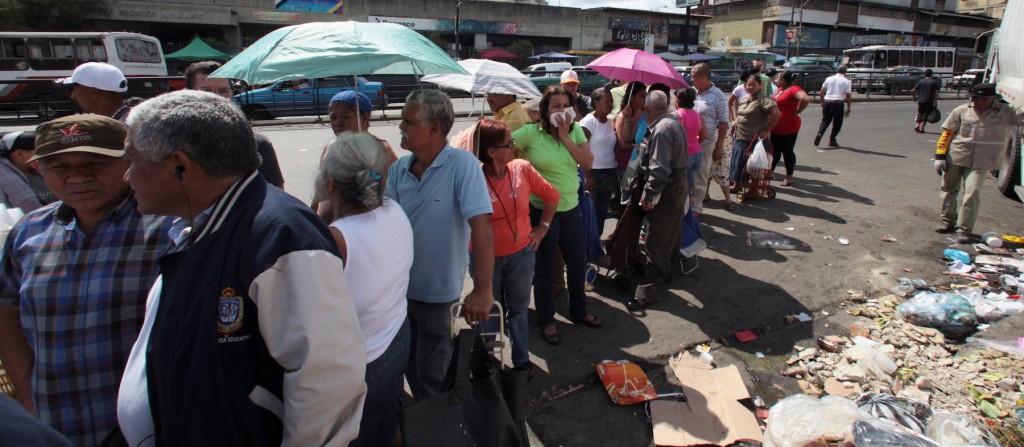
817, 139
944, 229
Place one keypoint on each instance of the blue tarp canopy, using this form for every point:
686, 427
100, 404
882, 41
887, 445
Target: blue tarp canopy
699, 57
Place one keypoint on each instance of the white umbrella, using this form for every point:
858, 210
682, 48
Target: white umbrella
487, 76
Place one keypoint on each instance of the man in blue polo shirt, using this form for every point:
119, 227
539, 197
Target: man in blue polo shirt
442, 190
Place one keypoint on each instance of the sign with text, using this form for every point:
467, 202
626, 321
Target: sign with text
627, 23
270, 16
317, 6
628, 35
649, 43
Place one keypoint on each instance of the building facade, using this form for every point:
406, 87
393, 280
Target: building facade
235, 24
796, 27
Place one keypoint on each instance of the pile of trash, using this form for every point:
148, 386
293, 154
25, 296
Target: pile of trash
918, 370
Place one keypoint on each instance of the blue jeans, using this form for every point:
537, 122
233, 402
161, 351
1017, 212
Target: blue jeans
691, 173
513, 275
384, 387
739, 158
566, 233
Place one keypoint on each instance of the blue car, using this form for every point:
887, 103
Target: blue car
304, 97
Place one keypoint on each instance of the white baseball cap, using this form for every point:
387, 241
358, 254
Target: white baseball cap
570, 76
97, 75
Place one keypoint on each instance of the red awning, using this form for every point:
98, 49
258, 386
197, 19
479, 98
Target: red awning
497, 53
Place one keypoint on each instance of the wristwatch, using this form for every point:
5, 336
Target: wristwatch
545, 223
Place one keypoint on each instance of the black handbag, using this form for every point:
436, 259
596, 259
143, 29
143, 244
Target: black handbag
935, 115
470, 411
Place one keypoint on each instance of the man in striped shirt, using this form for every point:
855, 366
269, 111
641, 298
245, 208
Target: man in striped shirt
74, 277
713, 106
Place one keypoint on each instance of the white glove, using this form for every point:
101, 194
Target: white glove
940, 166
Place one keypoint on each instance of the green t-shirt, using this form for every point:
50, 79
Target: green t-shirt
553, 161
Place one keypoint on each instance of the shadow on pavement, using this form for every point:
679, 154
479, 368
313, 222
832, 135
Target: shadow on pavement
821, 191
863, 151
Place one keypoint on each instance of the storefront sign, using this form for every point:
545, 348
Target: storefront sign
153, 15
627, 23
269, 16
466, 26
807, 37
317, 6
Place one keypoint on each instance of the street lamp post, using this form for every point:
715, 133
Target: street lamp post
796, 34
458, 3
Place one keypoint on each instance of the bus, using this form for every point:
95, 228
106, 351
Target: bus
30, 61
879, 57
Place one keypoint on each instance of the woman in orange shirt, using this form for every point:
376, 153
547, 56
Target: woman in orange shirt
510, 182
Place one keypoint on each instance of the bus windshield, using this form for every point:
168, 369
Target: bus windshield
859, 58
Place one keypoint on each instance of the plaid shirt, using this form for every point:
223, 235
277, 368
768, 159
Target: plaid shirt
82, 298
15, 189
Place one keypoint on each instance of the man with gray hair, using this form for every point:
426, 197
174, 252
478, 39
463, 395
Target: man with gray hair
713, 106
443, 192
662, 170
250, 335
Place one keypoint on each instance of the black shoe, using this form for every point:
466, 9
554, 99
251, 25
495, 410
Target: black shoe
945, 229
531, 371
963, 237
553, 339
817, 139
833, 143
638, 303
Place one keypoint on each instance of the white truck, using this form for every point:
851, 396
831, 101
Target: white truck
1005, 50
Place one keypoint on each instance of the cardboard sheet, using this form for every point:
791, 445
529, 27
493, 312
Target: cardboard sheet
712, 414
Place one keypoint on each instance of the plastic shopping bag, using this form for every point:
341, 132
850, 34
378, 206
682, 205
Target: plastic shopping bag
625, 382
759, 159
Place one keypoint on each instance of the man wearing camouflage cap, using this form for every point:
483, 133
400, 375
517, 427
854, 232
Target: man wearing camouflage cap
74, 279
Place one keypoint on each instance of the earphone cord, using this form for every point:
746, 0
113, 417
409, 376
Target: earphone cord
188, 207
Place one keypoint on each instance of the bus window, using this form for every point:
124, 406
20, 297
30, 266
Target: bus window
894, 58
90, 50
929, 59
918, 58
138, 50
941, 59
12, 54
906, 57
949, 58
51, 54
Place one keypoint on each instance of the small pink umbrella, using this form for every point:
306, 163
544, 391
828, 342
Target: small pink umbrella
636, 65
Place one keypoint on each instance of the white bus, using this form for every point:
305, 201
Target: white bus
40, 57
879, 57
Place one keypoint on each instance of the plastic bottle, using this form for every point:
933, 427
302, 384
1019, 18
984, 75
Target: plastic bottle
992, 239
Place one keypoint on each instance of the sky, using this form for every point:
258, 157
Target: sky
660, 5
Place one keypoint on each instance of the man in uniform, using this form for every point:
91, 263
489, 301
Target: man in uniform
972, 143
836, 90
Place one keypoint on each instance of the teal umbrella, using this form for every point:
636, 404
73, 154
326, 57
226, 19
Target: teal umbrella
317, 50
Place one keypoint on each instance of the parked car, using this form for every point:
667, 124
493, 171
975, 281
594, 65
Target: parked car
297, 98
590, 80
811, 77
397, 87
967, 79
546, 69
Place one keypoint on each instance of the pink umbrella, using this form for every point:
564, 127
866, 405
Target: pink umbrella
636, 65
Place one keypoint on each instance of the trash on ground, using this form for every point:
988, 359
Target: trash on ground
625, 382
949, 312
947, 428
988, 249
844, 241
884, 433
956, 255
769, 239
888, 238
712, 413
960, 268
746, 336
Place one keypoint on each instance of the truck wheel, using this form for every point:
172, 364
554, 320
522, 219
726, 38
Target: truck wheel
256, 113
1009, 175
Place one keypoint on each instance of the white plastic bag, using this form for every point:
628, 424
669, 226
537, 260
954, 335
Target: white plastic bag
759, 159
800, 419
953, 430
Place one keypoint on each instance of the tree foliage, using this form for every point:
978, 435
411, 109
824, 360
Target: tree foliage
48, 15
521, 48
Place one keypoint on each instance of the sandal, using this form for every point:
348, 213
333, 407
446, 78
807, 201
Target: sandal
786, 183
591, 321
731, 206
552, 338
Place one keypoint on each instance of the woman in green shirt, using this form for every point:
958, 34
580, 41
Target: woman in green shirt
556, 146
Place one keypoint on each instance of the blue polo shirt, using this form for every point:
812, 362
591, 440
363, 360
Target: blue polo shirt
439, 208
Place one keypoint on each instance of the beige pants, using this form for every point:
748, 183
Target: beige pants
700, 183
961, 212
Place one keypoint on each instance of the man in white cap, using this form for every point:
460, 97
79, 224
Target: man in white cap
571, 84
98, 88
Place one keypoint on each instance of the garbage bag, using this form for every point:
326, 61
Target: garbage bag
874, 432
954, 430
800, 420
906, 412
948, 312
759, 159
